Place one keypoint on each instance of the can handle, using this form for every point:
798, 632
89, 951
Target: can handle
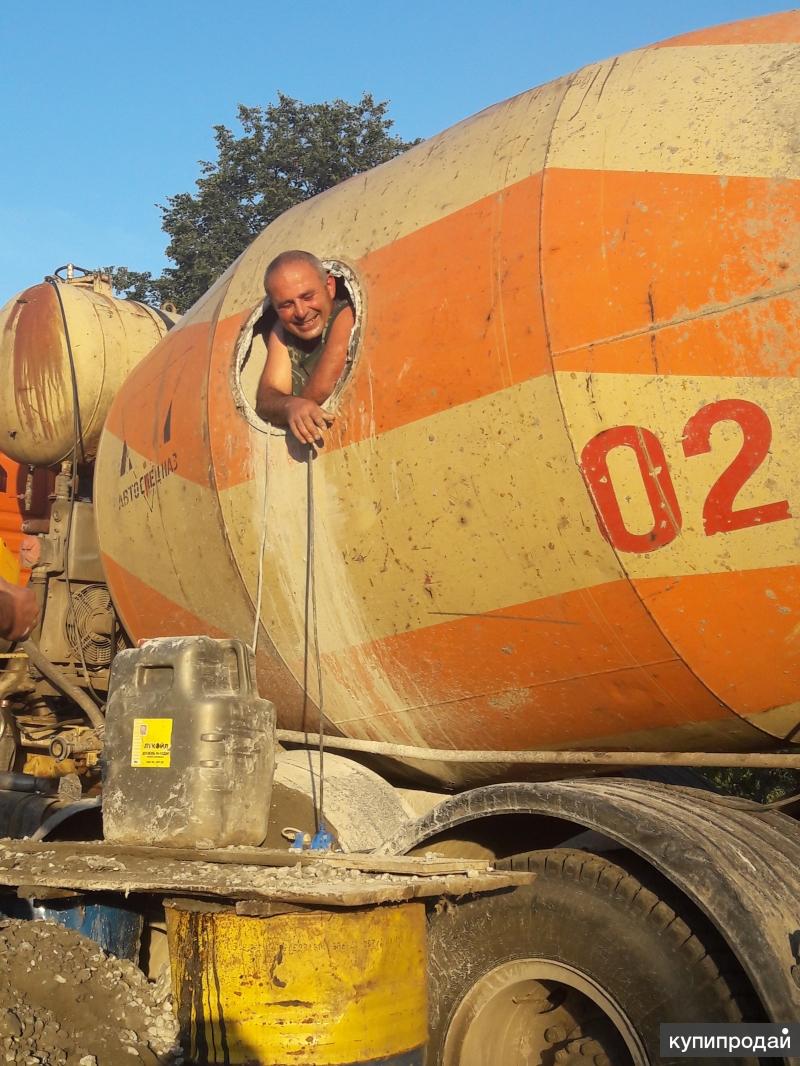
243, 659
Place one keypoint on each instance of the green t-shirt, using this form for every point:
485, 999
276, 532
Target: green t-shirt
305, 356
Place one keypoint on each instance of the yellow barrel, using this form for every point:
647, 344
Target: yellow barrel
308, 987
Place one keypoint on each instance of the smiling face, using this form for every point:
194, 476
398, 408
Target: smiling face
301, 298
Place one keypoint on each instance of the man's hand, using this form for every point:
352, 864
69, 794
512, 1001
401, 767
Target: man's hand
306, 419
19, 611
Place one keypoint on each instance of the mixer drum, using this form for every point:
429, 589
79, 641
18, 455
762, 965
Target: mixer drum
558, 505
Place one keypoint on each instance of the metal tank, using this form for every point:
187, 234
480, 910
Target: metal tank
559, 505
63, 339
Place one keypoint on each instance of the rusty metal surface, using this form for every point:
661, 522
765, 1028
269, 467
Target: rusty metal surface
740, 864
558, 506
108, 337
334, 881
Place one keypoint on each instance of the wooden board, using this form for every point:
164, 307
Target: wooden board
314, 880
419, 866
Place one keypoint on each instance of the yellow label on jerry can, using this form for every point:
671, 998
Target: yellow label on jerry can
152, 742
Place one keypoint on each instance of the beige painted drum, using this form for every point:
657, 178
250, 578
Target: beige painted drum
558, 507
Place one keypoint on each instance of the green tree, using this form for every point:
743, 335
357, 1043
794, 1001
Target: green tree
287, 152
762, 786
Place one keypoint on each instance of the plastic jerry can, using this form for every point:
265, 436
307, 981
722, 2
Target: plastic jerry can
189, 746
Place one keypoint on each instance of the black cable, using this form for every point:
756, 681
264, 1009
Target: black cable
311, 584
70, 266
78, 428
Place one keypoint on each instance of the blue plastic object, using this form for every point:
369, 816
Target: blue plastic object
322, 840
117, 930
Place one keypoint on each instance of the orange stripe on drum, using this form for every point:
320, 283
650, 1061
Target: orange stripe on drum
782, 28
639, 252
759, 339
162, 406
590, 662
641, 700
145, 612
473, 327
165, 405
740, 631
231, 440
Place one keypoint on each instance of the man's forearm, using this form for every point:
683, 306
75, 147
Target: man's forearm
319, 387
271, 405
305, 418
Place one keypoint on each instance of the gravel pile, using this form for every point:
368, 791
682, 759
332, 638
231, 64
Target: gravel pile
64, 1002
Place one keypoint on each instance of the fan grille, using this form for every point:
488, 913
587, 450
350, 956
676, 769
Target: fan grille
89, 614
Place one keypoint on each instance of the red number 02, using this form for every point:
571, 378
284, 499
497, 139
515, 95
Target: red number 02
657, 482
718, 513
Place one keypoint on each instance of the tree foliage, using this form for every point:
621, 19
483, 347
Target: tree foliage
762, 786
287, 152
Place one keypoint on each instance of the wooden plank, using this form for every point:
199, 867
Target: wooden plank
93, 873
422, 866
40, 892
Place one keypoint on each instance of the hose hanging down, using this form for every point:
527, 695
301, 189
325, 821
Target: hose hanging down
311, 626
56, 678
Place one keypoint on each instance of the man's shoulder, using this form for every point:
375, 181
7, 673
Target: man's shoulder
274, 336
341, 303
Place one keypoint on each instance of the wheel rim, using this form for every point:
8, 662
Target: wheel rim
537, 1011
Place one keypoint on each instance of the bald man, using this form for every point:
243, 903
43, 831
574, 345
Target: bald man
306, 348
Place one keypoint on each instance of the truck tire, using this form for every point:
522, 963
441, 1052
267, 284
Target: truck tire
578, 968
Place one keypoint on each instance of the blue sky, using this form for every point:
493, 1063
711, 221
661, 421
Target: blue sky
107, 108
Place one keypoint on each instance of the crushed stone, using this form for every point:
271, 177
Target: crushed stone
65, 1002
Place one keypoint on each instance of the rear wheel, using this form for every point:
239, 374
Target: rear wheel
579, 968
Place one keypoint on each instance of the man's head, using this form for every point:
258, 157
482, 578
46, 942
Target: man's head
301, 291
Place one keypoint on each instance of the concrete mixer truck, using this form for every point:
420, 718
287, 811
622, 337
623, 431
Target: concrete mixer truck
551, 540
